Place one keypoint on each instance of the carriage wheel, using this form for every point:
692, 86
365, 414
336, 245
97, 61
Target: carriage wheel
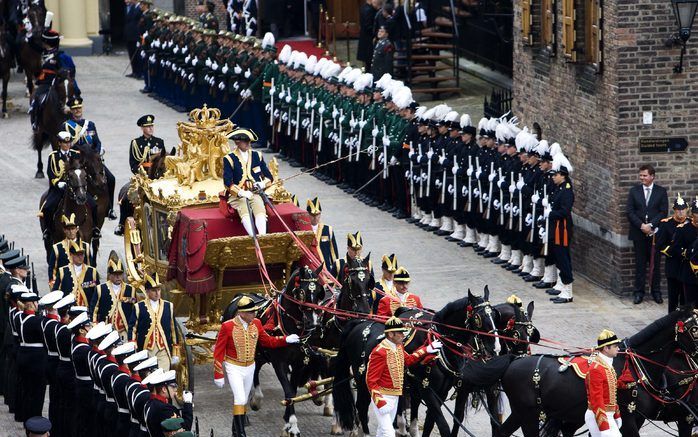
185, 368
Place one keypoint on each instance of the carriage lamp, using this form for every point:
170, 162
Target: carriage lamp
685, 13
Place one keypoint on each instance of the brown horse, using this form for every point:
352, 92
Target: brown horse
97, 186
5, 66
51, 117
31, 47
74, 201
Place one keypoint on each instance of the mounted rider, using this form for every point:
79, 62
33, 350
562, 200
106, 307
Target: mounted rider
386, 285
603, 415
245, 172
234, 356
401, 297
84, 132
355, 244
58, 162
50, 66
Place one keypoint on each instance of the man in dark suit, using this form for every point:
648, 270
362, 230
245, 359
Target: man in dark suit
131, 35
647, 205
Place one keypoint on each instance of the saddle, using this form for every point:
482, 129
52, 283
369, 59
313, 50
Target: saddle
580, 364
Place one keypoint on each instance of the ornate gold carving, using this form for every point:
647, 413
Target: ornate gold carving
239, 251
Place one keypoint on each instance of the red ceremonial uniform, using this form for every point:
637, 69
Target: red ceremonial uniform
389, 303
237, 345
601, 386
386, 369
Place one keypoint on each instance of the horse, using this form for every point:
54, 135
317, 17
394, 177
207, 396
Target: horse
452, 324
52, 117
512, 323
5, 67
539, 388
96, 185
74, 201
31, 46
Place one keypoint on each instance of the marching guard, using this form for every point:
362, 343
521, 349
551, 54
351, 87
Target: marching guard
234, 356
59, 256
77, 277
114, 300
31, 360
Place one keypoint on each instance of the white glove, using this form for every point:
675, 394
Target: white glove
545, 202
221, 86
276, 113
194, 61
496, 204
386, 141
546, 211
306, 106
454, 169
184, 49
476, 192
385, 409
478, 173
430, 153
237, 69
260, 185
362, 124
208, 62
61, 185
434, 347
186, 60
535, 198
187, 397
293, 338
272, 91
512, 188
528, 219
316, 133
438, 183
299, 101
441, 159
491, 177
244, 193
469, 172
335, 113
450, 188
282, 93
352, 123
507, 208
381, 158
219, 382
374, 132
341, 119
516, 211
520, 184
464, 191
425, 176
485, 197
393, 160
175, 361
214, 66
410, 154
541, 233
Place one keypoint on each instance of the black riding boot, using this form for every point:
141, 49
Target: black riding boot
239, 426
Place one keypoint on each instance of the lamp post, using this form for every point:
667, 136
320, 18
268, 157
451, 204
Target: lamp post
685, 13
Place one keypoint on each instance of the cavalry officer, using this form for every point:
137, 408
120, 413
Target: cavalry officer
31, 361
684, 239
244, 171
81, 413
146, 146
324, 235
603, 416
143, 149
402, 297
84, 132
152, 324
58, 162
49, 324
77, 277
114, 300
385, 373
385, 286
355, 245
234, 355
64, 395
59, 255
163, 389
50, 66
558, 214
662, 241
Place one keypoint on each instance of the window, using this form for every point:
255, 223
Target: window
592, 37
548, 26
526, 22
568, 30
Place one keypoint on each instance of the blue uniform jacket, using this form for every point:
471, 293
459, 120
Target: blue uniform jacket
142, 324
83, 288
235, 174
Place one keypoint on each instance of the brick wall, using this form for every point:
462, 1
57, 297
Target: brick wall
221, 13
597, 118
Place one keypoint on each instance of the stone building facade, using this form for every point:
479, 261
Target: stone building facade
586, 71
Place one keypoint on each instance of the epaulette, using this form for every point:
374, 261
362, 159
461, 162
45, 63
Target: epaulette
567, 185
683, 224
664, 220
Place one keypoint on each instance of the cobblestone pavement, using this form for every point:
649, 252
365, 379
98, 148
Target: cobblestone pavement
442, 271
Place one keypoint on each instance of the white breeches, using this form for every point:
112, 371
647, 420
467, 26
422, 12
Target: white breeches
590, 421
240, 380
384, 421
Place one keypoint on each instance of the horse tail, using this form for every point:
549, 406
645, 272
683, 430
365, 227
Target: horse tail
342, 395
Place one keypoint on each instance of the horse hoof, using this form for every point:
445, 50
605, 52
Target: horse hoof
336, 430
39, 175
254, 406
5, 115
328, 412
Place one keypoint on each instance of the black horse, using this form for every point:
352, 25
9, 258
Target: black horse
5, 66
512, 322
538, 389
455, 325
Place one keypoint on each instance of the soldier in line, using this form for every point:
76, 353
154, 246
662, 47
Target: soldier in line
672, 266
77, 278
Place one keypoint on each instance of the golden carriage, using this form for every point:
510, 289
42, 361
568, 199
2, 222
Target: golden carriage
169, 216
